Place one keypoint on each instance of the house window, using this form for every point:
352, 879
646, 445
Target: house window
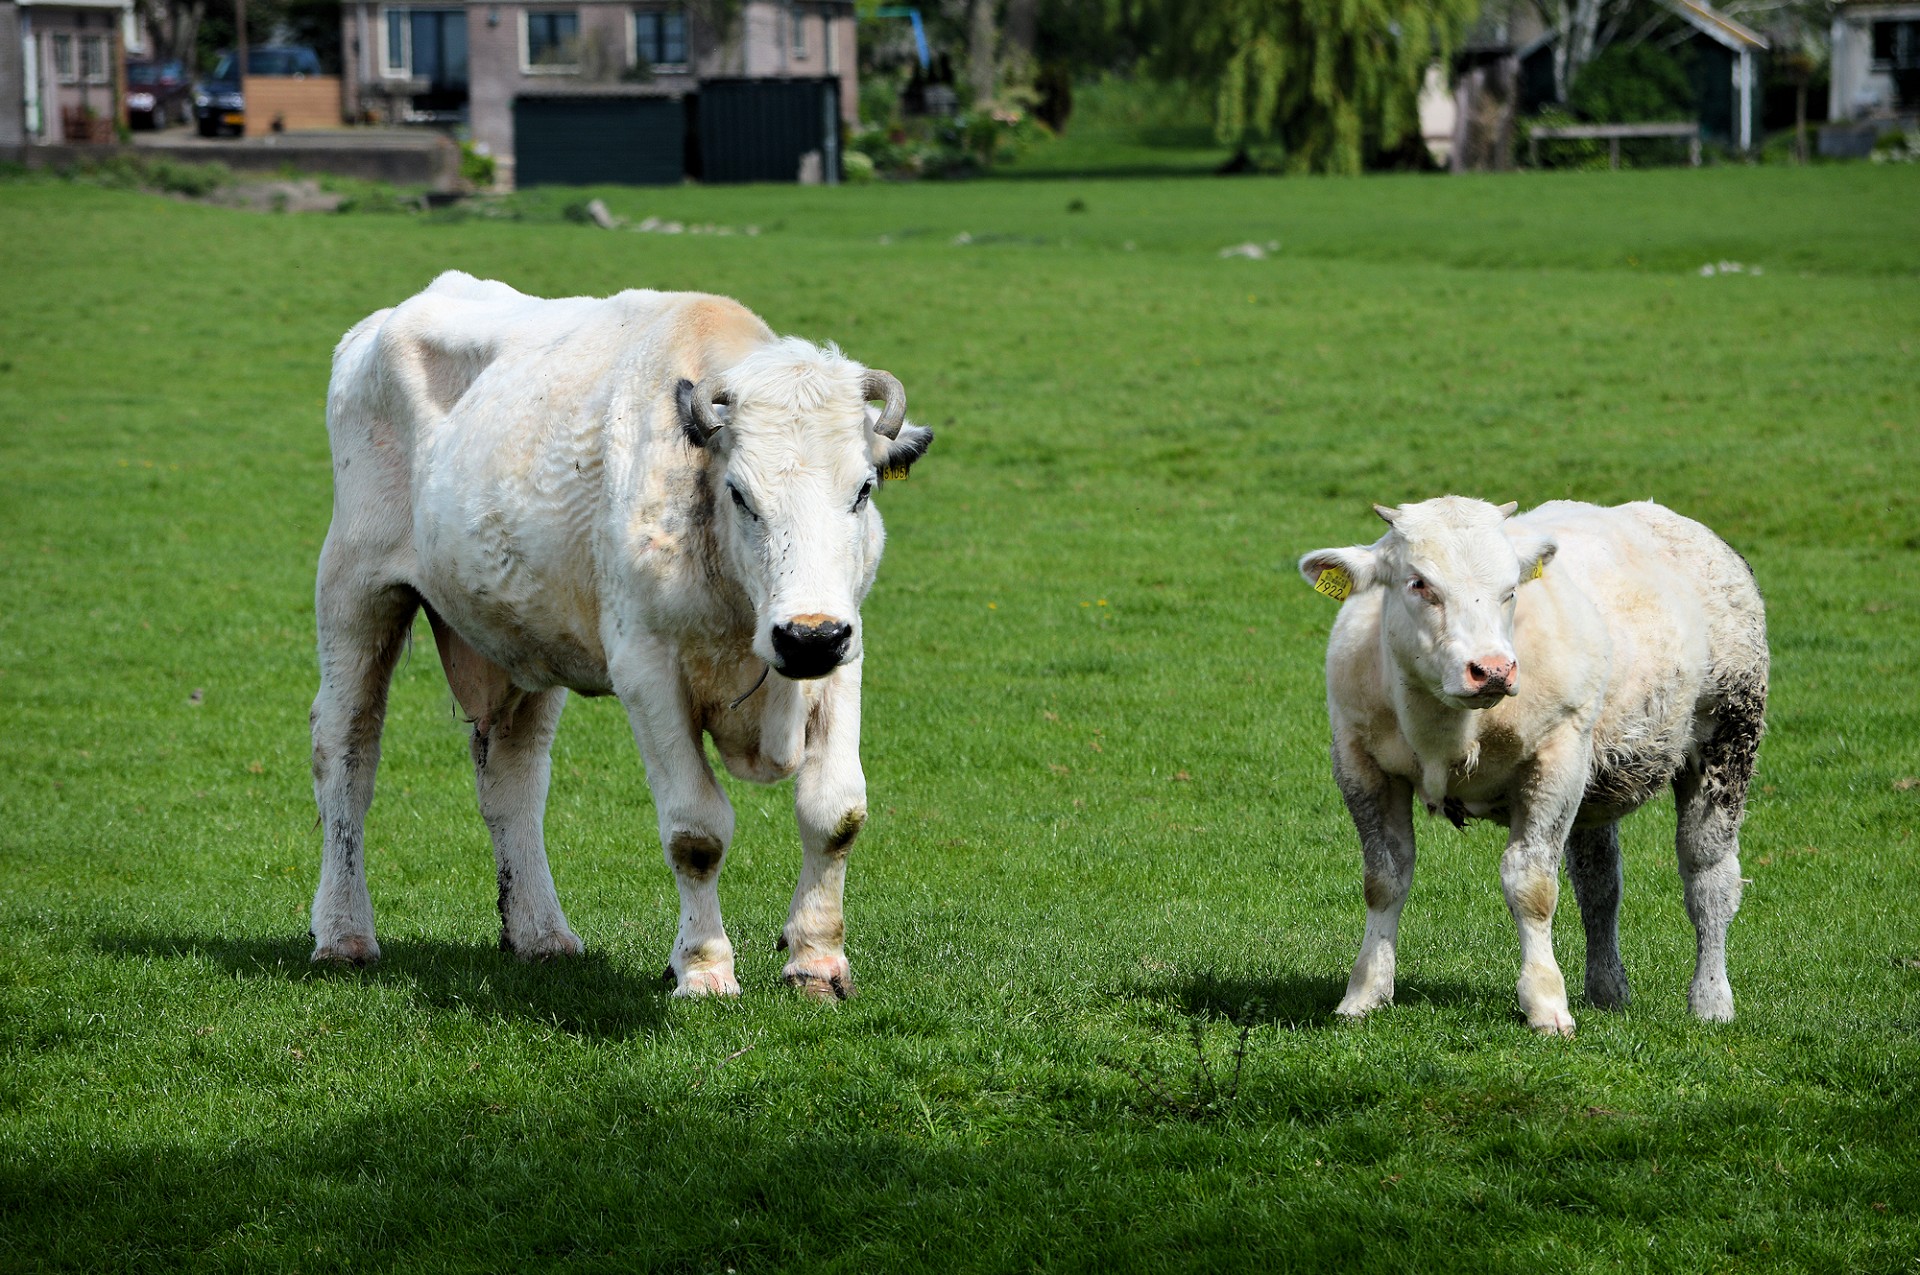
798, 21
63, 58
1896, 45
833, 45
553, 40
93, 58
660, 37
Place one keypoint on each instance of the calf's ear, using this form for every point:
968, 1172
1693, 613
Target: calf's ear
1534, 550
893, 457
1339, 572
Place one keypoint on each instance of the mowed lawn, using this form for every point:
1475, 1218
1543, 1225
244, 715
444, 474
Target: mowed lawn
1106, 856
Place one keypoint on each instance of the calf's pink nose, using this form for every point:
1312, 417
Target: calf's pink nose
1484, 673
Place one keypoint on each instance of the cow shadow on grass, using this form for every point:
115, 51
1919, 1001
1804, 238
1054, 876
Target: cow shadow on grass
590, 995
1296, 1002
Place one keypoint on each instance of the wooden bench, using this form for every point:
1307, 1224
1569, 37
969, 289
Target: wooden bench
1613, 133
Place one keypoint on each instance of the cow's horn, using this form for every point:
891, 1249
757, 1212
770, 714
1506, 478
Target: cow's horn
884, 385
705, 396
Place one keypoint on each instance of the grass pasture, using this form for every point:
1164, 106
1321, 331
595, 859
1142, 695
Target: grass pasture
1105, 852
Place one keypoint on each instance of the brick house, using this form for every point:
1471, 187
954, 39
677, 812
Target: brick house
481, 63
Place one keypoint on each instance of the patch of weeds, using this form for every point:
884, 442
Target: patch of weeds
1204, 1096
157, 173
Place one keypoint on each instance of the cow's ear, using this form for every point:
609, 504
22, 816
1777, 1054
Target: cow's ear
1534, 550
1340, 572
893, 457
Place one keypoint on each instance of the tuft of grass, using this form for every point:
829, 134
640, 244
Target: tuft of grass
1102, 826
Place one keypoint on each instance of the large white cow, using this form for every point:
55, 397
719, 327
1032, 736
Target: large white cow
648, 496
1550, 672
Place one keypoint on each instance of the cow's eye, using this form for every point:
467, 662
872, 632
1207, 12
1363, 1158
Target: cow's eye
741, 501
860, 501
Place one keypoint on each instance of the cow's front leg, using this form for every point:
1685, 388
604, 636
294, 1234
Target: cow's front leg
1382, 810
830, 803
1530, 876
696, 820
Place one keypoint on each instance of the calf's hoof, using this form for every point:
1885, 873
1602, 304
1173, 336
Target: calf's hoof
356, 950
820, 978
548, 945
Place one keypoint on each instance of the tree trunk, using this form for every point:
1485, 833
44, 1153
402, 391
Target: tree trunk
982, 35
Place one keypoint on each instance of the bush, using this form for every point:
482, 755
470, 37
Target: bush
951, 147
477, 168
858, 166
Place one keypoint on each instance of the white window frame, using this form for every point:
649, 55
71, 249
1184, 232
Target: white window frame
103, 74
526, 44
388, 69
797, 17
832, 45
69, 73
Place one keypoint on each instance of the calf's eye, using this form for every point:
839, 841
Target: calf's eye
741, 501
860, 501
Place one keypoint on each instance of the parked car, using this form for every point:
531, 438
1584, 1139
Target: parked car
218, 106
158, 94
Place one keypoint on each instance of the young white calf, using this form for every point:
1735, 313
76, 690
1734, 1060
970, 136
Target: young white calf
1549, 672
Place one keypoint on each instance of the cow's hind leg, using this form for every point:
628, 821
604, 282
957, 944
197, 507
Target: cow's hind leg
1593, 861
362, 631
1712, 798
512, 745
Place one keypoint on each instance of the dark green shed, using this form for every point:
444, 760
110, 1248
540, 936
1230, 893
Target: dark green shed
599, 139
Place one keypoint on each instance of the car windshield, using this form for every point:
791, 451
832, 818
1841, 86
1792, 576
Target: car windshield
270, 62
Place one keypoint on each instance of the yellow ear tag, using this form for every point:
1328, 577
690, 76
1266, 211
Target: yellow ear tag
1539, 568
894, 474
1335, 583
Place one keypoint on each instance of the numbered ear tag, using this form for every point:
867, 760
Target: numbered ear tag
894, 474
1335, 583
1539, 568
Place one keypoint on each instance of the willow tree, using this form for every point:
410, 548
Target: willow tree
1332, 82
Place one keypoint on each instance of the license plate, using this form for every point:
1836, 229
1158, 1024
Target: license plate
233, 117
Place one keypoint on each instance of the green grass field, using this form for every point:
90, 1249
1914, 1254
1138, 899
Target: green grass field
1105, 845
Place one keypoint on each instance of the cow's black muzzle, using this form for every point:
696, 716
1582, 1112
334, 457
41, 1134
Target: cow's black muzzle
805, 647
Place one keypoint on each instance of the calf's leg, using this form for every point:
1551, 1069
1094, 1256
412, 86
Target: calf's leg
1711, 799
830, 804
696, 820
1530, 875
1593, 861
362, 630
1382, 810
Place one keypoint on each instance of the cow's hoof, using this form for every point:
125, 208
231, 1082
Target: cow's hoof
1551, 1022
820, 978
552, 945
1357, 1005
356, 950
1712, 1004
1607, 989
713, 981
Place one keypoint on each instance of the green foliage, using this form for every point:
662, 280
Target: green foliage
133, 171
1333, 82
476, 169
968, 143
1096, 830
1636, 84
